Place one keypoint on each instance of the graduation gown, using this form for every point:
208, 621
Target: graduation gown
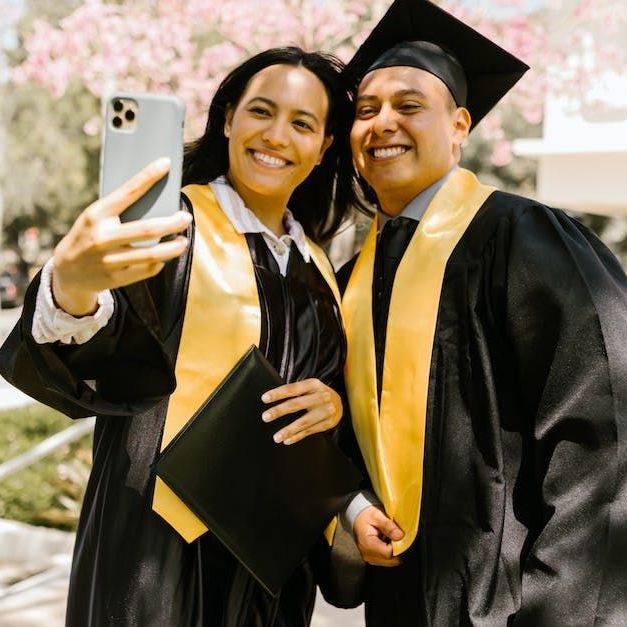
523, 509
130, 567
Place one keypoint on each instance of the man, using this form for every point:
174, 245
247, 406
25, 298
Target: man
486, 373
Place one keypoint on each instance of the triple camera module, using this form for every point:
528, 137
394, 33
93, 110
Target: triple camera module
123, 112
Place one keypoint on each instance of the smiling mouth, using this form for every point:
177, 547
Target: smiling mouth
390, 152
268, 160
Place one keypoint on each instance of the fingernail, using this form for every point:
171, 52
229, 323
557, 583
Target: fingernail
266, 397
278, 438
187, 216
397, 534
288, 441
266, 416
162, 163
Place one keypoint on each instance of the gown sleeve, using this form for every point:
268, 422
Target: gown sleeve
126, 361
129, 363
566, 320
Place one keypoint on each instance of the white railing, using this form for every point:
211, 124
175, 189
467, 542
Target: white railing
43, 449
49, 445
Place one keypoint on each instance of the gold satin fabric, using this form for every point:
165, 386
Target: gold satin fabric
392, 439
222, 320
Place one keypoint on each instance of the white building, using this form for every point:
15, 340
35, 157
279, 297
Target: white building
582, 156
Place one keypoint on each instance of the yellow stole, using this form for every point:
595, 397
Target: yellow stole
392, 439
222, 320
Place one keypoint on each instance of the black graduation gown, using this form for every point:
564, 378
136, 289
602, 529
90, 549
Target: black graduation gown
524, 505
130, 567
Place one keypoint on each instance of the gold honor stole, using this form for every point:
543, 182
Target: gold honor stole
392, 439
222, 320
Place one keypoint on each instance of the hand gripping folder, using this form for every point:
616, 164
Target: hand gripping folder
267, 503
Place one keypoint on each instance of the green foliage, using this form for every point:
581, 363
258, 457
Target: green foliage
51, 10
50, 491
51, 168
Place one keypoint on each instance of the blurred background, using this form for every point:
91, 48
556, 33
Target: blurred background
560, 136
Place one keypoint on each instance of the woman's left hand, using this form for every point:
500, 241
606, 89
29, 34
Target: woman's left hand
322, 404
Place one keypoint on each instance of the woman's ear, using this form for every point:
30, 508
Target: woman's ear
328, 140
228, 119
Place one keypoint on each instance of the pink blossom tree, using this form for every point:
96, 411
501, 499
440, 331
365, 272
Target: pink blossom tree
179, 46
187, 46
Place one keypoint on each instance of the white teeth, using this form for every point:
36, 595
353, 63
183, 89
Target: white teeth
273, 162
386, 153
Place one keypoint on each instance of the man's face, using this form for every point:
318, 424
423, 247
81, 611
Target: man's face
406, 134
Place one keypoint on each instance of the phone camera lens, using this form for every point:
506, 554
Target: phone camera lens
117, 121
130, 115
118, 106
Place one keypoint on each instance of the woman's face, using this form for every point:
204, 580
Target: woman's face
277, 133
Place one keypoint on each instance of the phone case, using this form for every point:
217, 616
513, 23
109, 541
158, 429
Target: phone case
139, 128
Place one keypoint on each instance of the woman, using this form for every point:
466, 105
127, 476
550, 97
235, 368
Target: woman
248, 273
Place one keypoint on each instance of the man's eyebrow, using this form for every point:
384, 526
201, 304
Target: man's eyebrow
409, 92
396, 94
274, 105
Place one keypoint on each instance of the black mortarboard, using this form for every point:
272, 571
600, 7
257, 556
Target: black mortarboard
477, 72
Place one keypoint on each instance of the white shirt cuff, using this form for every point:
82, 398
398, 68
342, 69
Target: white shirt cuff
358, 504
52, 324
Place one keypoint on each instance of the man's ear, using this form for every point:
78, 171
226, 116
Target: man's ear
328, 140
228, 119
461, 123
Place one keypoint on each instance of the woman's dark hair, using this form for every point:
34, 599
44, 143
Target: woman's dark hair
324, 199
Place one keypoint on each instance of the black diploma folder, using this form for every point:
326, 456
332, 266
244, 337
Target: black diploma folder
267, 503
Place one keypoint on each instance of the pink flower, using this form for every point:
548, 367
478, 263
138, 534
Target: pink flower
92, 126
185, 46
501, 153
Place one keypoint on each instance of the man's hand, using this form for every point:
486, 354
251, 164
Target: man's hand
96, 254
373, 533
323, 407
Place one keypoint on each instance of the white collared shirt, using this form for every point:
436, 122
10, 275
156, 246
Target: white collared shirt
245, 221
52, 324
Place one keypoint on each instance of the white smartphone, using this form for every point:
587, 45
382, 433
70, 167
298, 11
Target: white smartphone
139, 128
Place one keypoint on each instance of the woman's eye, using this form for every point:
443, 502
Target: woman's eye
259, 111
364, 112
304, 125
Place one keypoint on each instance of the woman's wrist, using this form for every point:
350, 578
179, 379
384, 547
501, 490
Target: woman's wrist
77, 303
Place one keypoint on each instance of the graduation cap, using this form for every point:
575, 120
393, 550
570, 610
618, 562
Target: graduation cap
417, 33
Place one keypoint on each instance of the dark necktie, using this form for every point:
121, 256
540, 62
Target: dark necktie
393, 242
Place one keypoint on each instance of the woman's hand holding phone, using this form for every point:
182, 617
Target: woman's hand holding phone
96, 254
